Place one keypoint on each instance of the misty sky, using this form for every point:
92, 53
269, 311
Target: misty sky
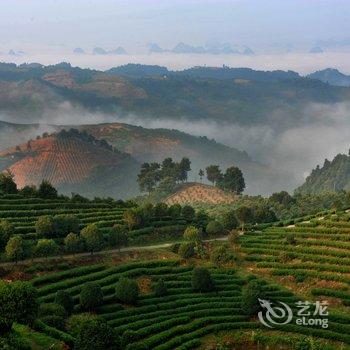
134, 23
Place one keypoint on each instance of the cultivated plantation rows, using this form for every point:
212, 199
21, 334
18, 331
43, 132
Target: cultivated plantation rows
179, 319
313, 251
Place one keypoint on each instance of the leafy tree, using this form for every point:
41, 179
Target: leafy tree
283, 198
192, 234
213, 173
118, 236
47, 191
201, 174
175, 211
7, 184
46, 247
127, 291
229, 220
149, 176
244, 215
187, 212
184, 168
132, 218
186, 250
29, 191
51, 309
14, 248
91, 296
92, 332
93, 238
65, 223
159, 288
6, 231
221, 255
45, 227
201, 219
169, 169
64, 299
214, 228
160, 210
201, 280
232, 181
264, 214
18, 303
72, 243
250, 297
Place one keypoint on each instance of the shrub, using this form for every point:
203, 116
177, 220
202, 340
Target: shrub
221, 255
118, 236
44, 227
250, 297
290, 239
65, 300
186, 250
51, 309
214, 228
192, 234
18, 302
47, 191
159, 288
72, 243
201, 280
46, 247
7, 185
54, 321
14, 249
93, 237
127, 291
91, 333
229, 220
187, 212
6, 231
91, 296
65, 223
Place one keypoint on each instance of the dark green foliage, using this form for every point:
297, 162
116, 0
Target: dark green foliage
214, 174
91, 333
159, 288
127, 291
65, 223
7, 185
214, 228
290, 239
46, 247
47, 191
221, 255
229, 220
232, 180
45, 227
93, 238
15, 248
160, 210
118, 237
65, 300
6, 231
186, 250
187, 212
250, 297
58, 322
244, 215
91, 296
201, 280
264, 214
201, 219
332, 176
72, 243
51, 309
18, 302
175, 211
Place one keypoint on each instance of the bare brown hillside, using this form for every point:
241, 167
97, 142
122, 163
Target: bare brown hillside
194, 192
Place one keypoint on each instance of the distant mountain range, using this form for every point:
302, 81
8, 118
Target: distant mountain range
332, 77
332, 176
214, 49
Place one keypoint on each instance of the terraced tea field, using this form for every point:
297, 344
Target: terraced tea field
181, 318
316, 253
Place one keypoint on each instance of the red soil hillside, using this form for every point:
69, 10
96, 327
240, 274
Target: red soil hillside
198, 193
64, 159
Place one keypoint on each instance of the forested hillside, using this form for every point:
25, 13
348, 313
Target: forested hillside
332, 176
